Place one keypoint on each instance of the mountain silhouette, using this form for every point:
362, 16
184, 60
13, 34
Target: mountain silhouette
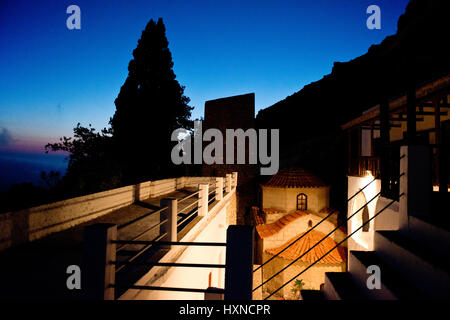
416, 53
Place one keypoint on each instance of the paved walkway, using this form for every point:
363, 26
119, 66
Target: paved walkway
37, 270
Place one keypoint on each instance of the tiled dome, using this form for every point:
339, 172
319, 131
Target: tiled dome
308, 241
295, 178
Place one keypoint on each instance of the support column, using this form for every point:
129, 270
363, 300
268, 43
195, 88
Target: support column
443, 167
415, 183
228, 185
411, 115
234, 178
239, 263
203, 199
219, 189
98, 274
349, 152
442, 150
384, 137
170, 227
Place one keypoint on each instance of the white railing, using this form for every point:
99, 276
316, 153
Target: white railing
34, 223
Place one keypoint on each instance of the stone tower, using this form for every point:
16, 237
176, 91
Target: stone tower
237, 112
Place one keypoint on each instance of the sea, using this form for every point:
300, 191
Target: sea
18, 167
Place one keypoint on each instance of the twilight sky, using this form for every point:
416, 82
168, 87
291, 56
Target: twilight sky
52, 77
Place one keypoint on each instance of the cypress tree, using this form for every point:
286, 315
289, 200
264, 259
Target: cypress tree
150, 105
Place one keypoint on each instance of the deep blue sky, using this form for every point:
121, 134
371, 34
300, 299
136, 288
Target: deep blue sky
52, 77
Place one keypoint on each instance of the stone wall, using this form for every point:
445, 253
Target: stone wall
312, 278
237, 112
285, 199
232, 210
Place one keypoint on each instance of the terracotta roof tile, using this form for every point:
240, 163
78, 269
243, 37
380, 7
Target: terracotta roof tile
294, 178
257, 216
305, 243
267, 230
272, 211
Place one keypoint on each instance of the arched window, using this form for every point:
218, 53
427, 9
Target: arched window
365, 218
302, 202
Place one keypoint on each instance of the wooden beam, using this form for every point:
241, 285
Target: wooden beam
378, 127
430, 113
405, 119
437, 86
427, 104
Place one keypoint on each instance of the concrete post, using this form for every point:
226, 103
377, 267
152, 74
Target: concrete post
180, 183
170, 227
203, 199
228, 185
415, 184
219, 189
98, 274
239, 263
234, 177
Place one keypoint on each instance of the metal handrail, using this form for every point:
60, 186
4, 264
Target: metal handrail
142, 233
190, 205
126, 224
182, 220
309, 230
189, 196
212, 290
173, 243
338, 244
211, 200
172, 264
316, 244
148, 246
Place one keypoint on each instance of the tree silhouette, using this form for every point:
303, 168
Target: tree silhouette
92, 164
150, 105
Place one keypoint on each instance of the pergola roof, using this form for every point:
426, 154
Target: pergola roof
423, 93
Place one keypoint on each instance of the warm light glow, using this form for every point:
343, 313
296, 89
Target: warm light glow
369, 174
358, 239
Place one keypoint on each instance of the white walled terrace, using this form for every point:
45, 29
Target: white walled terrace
37, 222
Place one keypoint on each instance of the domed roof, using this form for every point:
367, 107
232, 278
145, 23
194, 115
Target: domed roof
267, 230
294, 178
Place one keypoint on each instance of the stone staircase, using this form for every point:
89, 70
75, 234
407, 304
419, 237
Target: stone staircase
414, 264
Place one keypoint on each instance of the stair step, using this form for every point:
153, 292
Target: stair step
431, 233
440, 217
428, 270
393, 285
312, 295
342, 286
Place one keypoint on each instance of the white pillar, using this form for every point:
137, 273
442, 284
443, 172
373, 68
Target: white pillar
219, 189
98, 252
203, 199
171, 215
235, 176
228, 185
